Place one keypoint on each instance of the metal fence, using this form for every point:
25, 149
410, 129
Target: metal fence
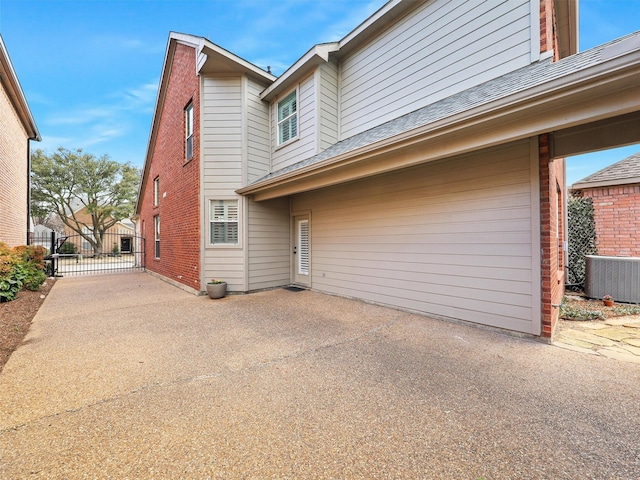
75, 255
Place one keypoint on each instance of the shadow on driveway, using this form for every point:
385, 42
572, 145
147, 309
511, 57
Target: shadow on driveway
126, 376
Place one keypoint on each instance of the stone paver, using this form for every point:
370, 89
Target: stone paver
615, 334
617, 337
632, 341
619, 353
589, 338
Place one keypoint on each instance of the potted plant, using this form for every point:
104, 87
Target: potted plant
608, 300
216, 288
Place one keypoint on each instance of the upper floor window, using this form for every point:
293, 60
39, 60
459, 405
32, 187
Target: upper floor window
223, 222
288, 118
188, 119
156, 191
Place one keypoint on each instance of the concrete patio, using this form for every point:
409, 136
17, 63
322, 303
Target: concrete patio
125, 376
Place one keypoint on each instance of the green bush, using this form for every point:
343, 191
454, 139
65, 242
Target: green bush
68, 248
20, 267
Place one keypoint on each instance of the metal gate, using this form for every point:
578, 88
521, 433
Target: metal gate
75, 255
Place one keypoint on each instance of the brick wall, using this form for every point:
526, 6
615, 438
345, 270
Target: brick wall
552, 234
548, 37
179, 180
617, 217
13, 175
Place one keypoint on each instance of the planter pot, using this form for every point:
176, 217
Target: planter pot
216, 290
608, 303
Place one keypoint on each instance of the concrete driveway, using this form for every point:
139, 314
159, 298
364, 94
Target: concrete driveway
125, 376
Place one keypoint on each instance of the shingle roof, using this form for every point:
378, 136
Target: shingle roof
527, 77
625, 169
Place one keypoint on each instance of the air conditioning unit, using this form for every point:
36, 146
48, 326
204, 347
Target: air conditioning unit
615, 276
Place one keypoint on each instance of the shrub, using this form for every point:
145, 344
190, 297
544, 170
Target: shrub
68, 248
20, 267
572, 312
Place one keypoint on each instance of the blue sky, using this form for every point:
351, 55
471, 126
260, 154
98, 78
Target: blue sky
90, 68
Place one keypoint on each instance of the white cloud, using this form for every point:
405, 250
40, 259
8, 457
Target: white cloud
110, 121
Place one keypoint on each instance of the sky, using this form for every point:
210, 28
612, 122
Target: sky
90, 68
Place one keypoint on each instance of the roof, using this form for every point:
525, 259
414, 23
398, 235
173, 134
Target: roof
535, 80
624, 172
11, 84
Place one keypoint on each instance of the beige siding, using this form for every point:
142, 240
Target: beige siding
452, 238
442, 48
13, 175
222, 171
258, 134
306, 145
268, 241
327, 105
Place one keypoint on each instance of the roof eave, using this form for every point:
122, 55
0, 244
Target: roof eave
315, 56
606, 183
16, 95
210, 55
541, 107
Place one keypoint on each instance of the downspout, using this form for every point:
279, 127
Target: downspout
29, 191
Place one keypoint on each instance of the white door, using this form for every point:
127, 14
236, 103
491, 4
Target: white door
301, 251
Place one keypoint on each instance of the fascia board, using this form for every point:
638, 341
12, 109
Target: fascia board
162, 88
531, 105
317, 55
606, 183
14, 90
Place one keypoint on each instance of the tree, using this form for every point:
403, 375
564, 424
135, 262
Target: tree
66, 181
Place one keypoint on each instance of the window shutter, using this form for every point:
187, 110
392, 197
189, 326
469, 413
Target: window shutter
224, 221
303, 247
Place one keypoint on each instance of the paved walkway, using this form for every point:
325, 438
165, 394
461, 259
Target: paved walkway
124, 376
617, 338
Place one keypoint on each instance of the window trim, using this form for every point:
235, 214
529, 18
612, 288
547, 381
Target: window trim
209, 220
188, 130
295, 114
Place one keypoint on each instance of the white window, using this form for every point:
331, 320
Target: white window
156, 235
288, 118
188, 116
156, 191
223, 222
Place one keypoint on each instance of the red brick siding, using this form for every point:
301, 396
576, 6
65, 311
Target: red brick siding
13, 174
548, 37
552, 228
617, 218
179, 205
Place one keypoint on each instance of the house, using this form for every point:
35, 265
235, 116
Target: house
615, 191
17, 128
416, 163
118, 238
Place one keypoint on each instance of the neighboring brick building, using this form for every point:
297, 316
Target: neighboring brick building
615, 191
17, 127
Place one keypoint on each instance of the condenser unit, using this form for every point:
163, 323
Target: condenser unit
615, 276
